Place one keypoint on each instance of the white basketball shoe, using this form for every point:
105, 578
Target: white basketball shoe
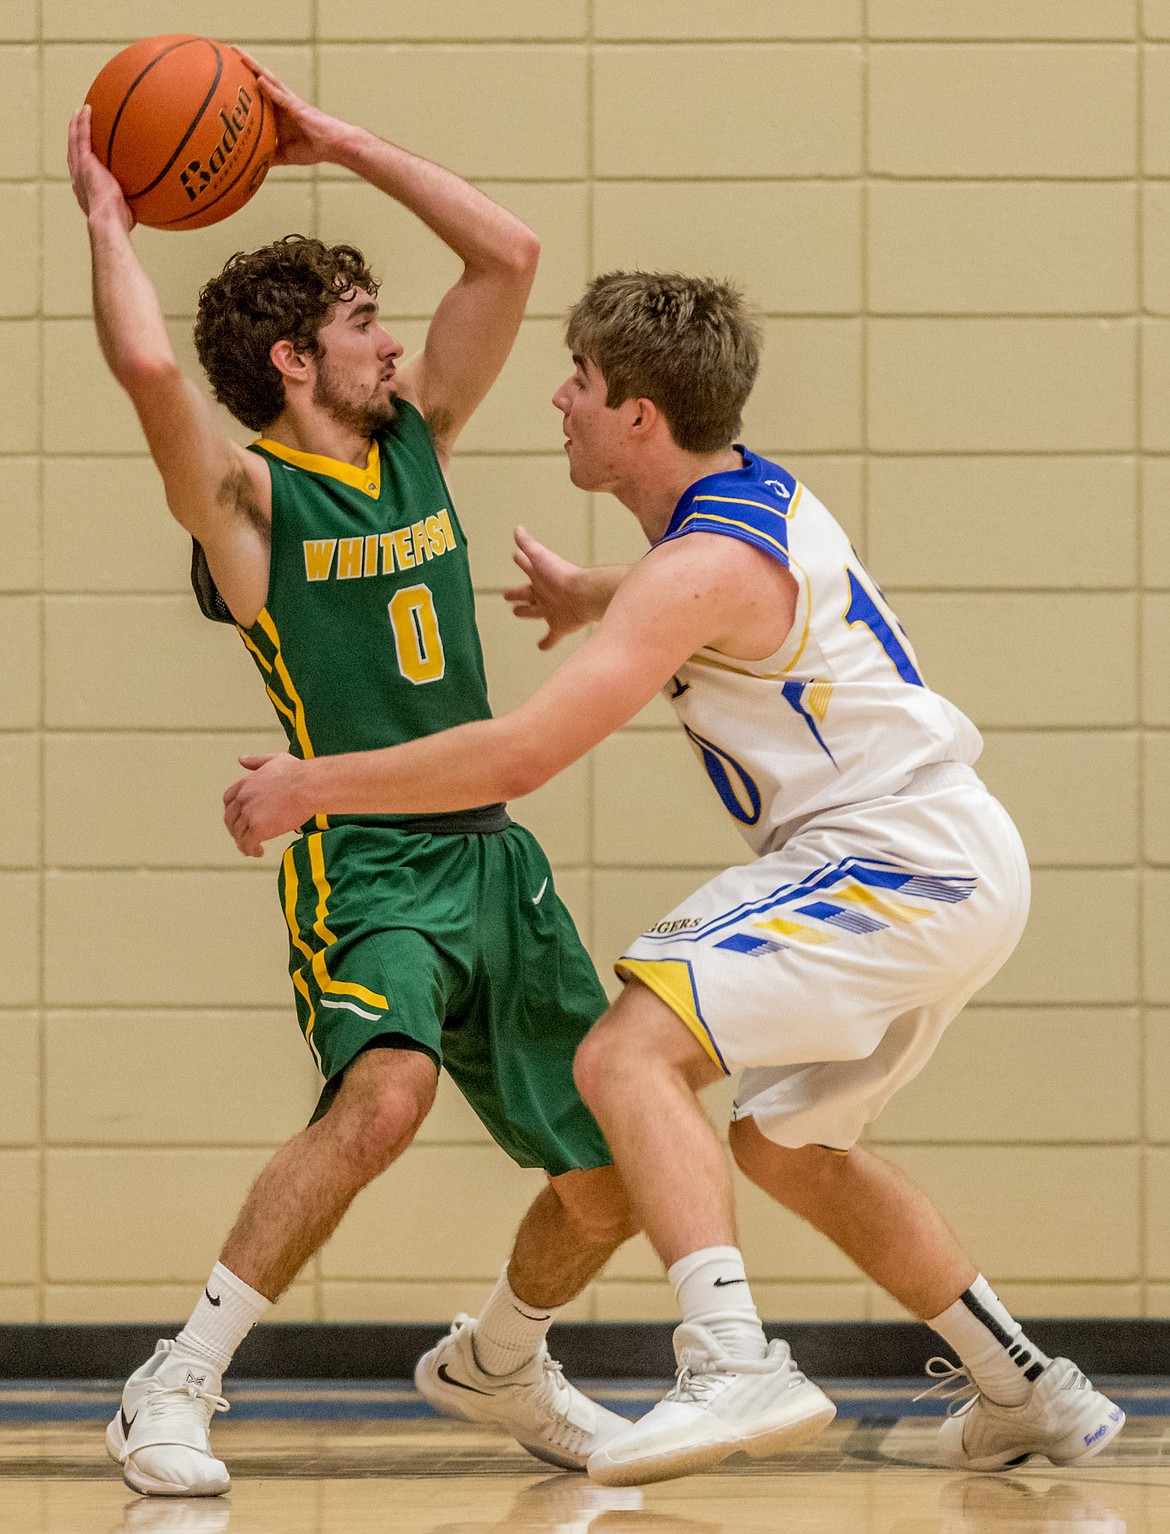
1064, 1418
720, 1406
161, 1435
536, 1403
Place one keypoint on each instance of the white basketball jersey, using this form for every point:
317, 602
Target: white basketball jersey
840, 713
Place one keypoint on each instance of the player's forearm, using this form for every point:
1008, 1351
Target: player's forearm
127, 314
481, 233
457, 769
595, 588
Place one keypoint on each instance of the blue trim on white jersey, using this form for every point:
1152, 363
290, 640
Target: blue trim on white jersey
793, 694
752, 504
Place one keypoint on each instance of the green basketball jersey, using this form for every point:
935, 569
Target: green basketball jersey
368, 636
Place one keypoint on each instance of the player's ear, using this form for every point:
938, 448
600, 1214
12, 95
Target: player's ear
287, 360
644, 418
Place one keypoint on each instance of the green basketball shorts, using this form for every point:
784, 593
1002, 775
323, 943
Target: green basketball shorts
458, 944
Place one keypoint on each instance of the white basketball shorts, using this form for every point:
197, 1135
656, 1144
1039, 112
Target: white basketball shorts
827, 971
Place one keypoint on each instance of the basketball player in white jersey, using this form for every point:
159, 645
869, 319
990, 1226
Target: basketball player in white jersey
888, 885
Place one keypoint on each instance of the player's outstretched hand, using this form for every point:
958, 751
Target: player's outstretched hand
96, 189
269, 802
304, 134
551, 591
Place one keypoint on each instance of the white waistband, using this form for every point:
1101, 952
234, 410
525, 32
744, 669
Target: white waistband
928, 780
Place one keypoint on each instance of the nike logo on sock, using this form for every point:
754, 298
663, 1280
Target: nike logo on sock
459, 1384
527, 1317
128, 1422
213, 1299
725, 1283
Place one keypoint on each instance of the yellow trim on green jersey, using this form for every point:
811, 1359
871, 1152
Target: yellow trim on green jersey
300, 723
281, 706
367, 480
243, 633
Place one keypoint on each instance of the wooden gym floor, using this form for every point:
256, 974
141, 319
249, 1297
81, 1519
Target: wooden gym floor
350, 1458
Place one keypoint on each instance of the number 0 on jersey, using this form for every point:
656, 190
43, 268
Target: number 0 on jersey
417, 641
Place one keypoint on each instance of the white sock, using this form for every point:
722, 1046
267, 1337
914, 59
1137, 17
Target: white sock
713, 1291
991, 1343
509, 1331
227, 1311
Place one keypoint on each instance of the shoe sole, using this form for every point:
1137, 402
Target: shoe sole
696, 1458
551, 1457
145, 1485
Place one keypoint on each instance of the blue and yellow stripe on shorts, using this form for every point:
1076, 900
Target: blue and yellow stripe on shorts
314, 986
673, 981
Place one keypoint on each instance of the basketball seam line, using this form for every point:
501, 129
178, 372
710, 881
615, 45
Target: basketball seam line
195, 121
175, 222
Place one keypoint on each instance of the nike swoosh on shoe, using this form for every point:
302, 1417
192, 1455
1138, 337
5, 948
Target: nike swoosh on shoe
449, 1379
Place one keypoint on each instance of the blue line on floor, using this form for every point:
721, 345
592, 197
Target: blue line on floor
394, 1400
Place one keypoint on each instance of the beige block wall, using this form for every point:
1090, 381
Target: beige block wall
955, 221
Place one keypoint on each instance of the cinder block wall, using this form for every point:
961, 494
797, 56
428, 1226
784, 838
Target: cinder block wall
954, 214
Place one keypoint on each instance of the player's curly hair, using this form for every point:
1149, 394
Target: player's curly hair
690, 344
282, 292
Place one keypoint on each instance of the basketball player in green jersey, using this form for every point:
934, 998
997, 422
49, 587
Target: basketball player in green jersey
334, 547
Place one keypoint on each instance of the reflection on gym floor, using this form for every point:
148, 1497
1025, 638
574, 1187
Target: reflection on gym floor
340, 1459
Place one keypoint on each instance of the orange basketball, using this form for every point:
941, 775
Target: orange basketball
184, 127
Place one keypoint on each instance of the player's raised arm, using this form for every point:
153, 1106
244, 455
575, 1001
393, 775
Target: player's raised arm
214, 489
475, 324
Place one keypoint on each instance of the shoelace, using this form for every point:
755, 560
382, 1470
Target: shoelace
554, 1374
559, 1428
699, 1375
161, 1402
550, 1365
963, 1391
552, 1380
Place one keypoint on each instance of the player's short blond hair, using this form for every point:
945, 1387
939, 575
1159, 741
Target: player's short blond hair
689, 344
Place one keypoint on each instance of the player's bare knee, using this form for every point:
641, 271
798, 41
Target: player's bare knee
748, 1149
608, 1058
790, 1176
380, 1108
638, 1039
373, 1139
593, 1063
